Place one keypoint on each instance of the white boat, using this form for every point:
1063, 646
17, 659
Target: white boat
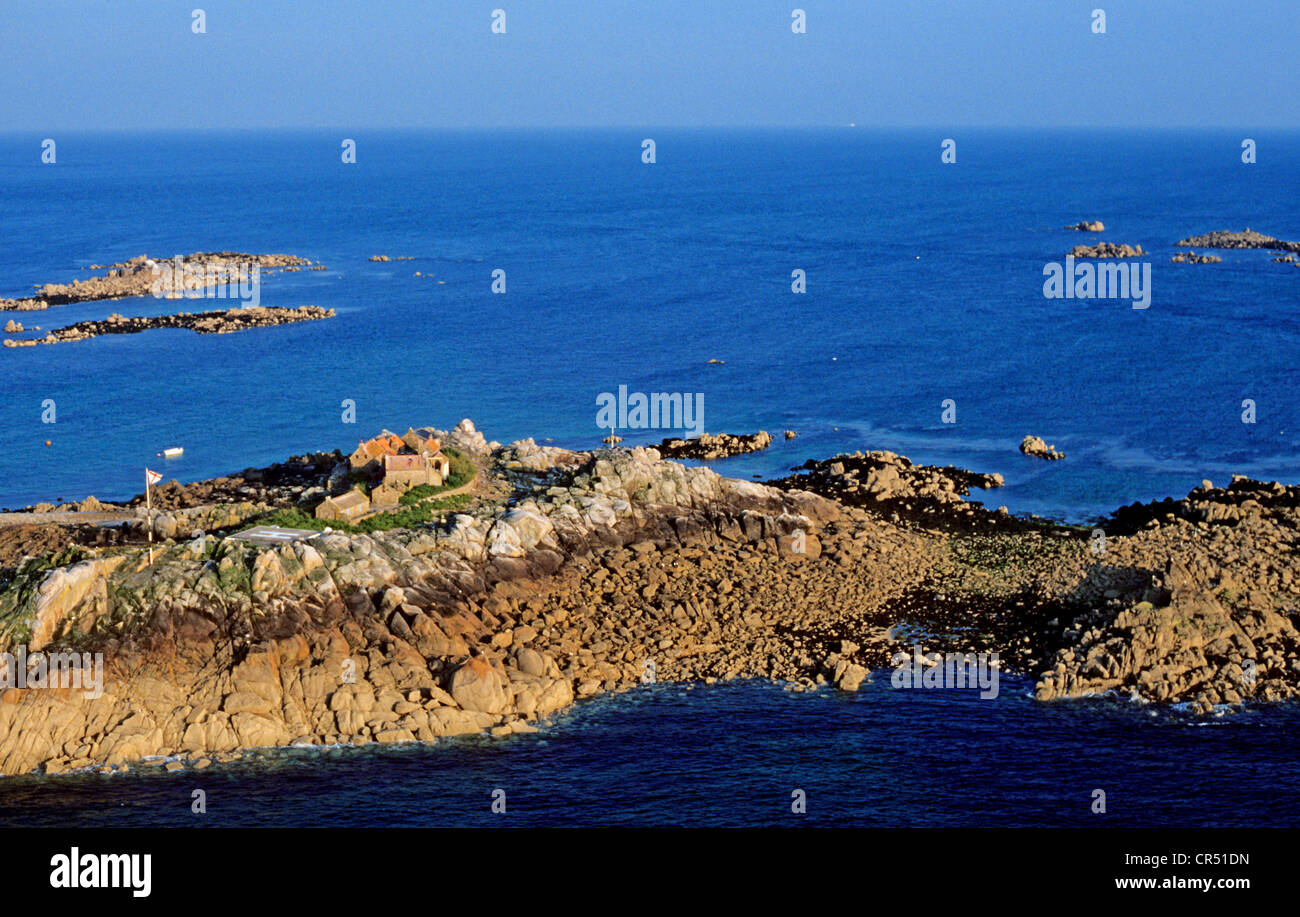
173, 452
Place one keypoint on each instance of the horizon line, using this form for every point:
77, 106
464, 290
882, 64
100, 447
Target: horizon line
11, 131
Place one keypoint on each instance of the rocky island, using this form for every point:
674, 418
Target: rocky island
1248, 238
1106, 250
217, 321
710, 446
139, 275
1037, 447
560, 575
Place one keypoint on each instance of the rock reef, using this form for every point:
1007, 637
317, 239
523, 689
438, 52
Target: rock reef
1036, 447
1209, 612
137, 277
219, 321
1193, 258
1106, 250
709, 446
897, 489
1248, 238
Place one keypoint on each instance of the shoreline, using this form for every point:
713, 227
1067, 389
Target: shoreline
569, 572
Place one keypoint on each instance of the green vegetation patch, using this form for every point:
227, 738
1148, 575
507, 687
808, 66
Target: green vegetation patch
406, 517
1012, 555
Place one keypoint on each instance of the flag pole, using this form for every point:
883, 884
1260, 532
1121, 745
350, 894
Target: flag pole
148, 502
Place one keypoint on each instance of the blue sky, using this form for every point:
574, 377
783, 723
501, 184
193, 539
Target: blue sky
264, 63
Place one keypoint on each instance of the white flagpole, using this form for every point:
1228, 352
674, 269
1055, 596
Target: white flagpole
148, 502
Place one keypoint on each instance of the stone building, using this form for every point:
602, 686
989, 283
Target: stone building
408, 471
346, 507
369, 454
421, 440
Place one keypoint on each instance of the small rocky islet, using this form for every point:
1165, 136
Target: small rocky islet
138, 276
1247, 238
216, 321
711, 446
183, 277
1221, 239
570, 574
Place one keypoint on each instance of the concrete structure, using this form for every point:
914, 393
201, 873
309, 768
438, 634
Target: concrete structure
273, 535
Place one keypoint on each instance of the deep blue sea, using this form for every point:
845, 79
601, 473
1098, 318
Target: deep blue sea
733, 755
924, 283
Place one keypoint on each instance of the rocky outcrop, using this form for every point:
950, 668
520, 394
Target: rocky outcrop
891, 486
1242, 500
1089, 226
282, 484
1194, 600
220, 321
578, 573
1195, 648
220, 644
1106, 250
1193, 258
466, 438
710, 446
1036, 447
1248, 238
137, 277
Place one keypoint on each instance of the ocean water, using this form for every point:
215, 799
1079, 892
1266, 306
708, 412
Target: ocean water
924, 284
733, 755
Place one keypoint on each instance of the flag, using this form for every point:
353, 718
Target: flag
151, 477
